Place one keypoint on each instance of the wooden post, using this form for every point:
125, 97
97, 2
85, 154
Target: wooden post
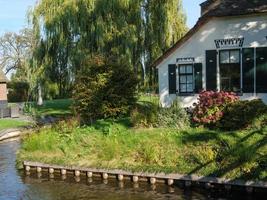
135, 179
170, 182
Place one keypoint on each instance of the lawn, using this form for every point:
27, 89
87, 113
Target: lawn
12, 123
115, 145
55, 108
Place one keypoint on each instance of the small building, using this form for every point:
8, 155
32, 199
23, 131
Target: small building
226, 50
3, 90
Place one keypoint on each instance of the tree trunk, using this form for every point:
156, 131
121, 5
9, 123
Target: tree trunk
40, 98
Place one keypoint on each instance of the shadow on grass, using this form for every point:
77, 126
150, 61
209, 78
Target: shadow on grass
107, 124
245, 159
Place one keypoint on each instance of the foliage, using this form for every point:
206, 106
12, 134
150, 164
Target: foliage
16, 55
138, 31
241, 114
147, 114
17, 91
104, 88
164, 25
173, 117
15, 49
210, 105
114, 145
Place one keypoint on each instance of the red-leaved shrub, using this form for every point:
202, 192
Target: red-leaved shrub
210, 105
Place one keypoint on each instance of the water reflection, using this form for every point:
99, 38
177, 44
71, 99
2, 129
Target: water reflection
41, 186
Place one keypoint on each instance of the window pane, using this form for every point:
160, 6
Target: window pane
189, 69
248, 70
198, 77
182, 69
234, 56
189, 87
189, 79
183, 87
230, 77
224, 57
183, 79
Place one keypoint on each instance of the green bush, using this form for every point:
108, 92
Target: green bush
173, 117
241, 114
150, 115
104, 88
144, 115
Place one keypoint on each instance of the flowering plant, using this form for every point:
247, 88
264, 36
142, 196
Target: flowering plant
210, 105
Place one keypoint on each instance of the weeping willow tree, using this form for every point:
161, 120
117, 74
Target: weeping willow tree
165, 25
136, 31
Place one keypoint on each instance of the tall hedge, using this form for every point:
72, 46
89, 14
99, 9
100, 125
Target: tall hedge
104, 88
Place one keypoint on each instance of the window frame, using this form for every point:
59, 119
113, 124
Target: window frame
229, 52
186, 74
221, 64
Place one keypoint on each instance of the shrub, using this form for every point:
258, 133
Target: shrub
173, 117
144, 115
210, 105
241, 114
104, 88
150, 115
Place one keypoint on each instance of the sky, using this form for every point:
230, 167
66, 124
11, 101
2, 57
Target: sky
13, 13
192, 10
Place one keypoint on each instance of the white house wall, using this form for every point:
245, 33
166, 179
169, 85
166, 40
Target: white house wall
252, 28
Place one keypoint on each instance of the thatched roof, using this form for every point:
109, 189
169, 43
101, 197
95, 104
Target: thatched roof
218, 8
3, 78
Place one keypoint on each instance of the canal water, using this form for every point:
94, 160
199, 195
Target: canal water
18, 186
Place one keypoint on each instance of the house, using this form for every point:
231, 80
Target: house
226, 50
3, 90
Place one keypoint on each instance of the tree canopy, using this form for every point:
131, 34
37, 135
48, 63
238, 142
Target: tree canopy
136, 31
49, 55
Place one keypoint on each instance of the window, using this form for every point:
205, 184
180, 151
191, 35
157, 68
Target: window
186, 79
230, 73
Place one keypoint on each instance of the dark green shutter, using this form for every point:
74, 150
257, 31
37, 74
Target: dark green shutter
248, 69
261, 70
211, 69
172, 79
198, 77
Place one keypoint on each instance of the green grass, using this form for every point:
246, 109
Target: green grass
115, 145
149, 98
12, 123
56, 108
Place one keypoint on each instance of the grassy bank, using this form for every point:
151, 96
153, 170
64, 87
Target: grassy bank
12, 123
114, 145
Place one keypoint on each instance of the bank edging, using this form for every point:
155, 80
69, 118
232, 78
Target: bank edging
169, 178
